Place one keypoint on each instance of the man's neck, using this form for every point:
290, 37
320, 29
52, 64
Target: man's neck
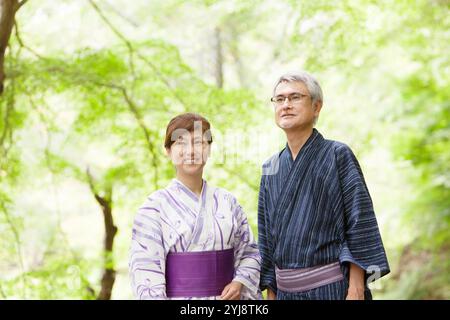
296, 139
194, 183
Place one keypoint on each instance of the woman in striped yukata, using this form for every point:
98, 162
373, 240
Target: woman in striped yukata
192, 240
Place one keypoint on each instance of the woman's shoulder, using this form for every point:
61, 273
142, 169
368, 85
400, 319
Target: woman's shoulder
155, 195
225, 195
153, 199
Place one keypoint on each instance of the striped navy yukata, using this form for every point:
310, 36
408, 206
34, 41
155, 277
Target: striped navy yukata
314, 211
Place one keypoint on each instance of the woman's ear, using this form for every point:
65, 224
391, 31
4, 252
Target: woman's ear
207, 154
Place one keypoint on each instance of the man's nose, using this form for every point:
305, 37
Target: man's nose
286, 103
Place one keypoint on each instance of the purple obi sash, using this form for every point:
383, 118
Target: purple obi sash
198, 274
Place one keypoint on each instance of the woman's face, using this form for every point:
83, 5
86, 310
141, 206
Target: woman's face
189, 153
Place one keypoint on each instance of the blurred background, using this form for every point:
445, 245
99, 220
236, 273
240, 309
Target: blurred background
90, 86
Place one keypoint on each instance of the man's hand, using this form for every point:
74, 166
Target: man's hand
232, 291
354, 293
356, 283
271, 295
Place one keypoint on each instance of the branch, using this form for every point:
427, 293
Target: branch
240, 177
110, 25
21, 43
90, 181
133, 51
132, 106
18, 245
83, 79
146, 131
7, 127
20, 4
53, 172
2, 293
74, 255
120, 14
135, 111
118, 34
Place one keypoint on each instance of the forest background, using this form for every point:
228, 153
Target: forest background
87, 89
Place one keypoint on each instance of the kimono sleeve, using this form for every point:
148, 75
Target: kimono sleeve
246, 253
147, 253
268, 279
362, 245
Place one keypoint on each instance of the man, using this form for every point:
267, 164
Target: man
318, 234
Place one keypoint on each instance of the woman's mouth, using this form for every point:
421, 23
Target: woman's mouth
192, 161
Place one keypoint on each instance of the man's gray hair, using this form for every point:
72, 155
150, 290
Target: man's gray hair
311, 83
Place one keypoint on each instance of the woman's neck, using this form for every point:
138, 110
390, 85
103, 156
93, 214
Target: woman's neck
194, 183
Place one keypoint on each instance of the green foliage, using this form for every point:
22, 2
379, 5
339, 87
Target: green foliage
59, 278
104, 107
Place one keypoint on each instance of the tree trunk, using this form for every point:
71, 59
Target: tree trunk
8, 9
218, 74
109, 273
233, 48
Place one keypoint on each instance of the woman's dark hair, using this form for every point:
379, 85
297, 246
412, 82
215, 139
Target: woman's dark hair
187, 121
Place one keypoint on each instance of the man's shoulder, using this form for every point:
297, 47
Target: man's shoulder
338, 146
272, 164
274, 157
342, 151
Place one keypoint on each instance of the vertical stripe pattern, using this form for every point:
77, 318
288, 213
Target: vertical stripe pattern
316, 210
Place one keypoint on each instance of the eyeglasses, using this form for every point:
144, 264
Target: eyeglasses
294, 98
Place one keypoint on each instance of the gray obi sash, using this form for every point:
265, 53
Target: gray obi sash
300, 280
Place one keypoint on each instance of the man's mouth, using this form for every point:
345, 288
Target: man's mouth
287, 115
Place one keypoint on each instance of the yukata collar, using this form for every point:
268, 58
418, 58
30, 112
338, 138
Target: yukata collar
188, 191
287, 152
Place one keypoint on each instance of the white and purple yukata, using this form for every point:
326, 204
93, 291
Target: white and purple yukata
175, 221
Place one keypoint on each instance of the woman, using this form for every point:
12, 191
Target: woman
191, 240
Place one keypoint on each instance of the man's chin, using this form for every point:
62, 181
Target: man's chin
286, 125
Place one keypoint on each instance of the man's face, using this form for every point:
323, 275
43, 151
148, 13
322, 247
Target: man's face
298, 111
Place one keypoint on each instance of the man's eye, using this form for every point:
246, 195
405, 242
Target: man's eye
279, 99
296, 97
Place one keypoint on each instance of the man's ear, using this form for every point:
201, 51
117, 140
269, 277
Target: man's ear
317, 106
168, 152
